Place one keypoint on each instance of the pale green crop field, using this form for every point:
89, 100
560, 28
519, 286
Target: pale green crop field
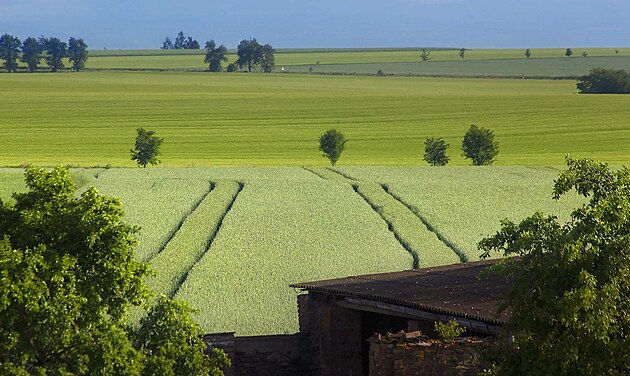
234, 254
90, 118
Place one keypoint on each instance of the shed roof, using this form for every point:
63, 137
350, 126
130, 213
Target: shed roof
456, 290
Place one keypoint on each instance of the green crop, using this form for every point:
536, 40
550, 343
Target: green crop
192, 239
277, 233
90, 118
465, 204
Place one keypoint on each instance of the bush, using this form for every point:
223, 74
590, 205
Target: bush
605, 81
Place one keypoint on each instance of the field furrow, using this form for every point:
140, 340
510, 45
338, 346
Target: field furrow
279, 232
192, 240
466, 204
423, 244
157, 200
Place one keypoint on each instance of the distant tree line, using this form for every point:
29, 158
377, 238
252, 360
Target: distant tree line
251, 55
182, 42
51, 50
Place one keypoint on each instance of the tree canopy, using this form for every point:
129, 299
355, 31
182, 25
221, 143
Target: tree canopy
10, 51
146, 148
479, 145
570, 298
604, 81
77, 53
251, 53
215, 56
31, 53
332, 143
55, 50
435, 151
182, 42
68, 279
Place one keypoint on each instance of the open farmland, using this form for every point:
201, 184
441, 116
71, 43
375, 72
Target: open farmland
229, 238
351, 60
90, 119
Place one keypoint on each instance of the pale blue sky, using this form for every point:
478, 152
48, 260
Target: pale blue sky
118, 24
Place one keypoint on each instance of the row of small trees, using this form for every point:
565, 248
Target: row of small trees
33, 50
250, 55
182, 42
478, 145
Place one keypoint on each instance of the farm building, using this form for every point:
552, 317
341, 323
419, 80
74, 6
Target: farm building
337, 317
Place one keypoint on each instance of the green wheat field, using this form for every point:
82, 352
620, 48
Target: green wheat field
243, 204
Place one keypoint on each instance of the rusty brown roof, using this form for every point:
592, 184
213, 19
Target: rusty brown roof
456, 290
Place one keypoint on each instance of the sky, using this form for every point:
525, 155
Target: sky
144, 24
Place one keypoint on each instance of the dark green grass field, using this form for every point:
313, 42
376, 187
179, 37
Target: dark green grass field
208, 119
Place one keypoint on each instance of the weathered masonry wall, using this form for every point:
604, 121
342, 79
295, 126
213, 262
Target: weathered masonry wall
390, 356
278, 355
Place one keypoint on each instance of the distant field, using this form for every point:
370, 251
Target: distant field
392, 61
291, 225
91, 118
527, 68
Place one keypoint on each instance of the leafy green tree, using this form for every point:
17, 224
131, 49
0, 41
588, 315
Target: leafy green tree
172, 338
462, 53
10, 51
332, 143
167, 44
479, 146
191, 44
568, 52
147, 148
215, 56
435, 151
248, 52
528, 53
570, 296
604, 81
77, 53
267, 60
425, 55
56, 50
69, 276
31, 53
180, 41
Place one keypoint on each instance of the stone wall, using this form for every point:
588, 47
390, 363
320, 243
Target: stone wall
277, 355
406, 354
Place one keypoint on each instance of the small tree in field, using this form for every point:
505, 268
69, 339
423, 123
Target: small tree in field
479, 146
425, 55
568, 52
569, 301
435, 151
332, 144
147, 148
528, 53
462, 53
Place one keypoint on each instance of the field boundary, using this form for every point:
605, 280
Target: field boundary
462, 256
183, 278
173, 232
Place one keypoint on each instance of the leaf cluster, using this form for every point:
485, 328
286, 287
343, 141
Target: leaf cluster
332, 143
569, 301
68, 277
479, 146
435, 151
604, 81
146, 148
251, 53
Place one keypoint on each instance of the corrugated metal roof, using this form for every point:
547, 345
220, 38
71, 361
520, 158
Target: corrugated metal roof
455, 290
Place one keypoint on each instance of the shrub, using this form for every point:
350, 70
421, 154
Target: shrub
604, 81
